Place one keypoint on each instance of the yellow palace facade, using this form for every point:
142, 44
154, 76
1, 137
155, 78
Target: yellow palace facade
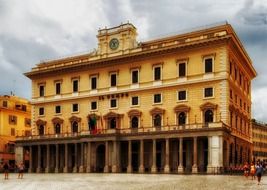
175, 104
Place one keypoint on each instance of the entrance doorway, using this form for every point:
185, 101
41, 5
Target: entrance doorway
100, 158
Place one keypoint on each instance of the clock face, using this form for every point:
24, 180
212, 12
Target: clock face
114, 43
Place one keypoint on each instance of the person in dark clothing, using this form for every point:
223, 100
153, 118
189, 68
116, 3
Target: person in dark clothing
259, 172
6, 170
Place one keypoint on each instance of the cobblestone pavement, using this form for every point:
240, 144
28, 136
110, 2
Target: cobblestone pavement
128, 181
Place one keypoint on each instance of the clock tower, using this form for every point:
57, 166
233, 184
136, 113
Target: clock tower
117, 39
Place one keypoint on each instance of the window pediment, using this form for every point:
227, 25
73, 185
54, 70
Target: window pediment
181, 108
57, 120
93, 115
134, 112
112, 114
208, 105
74, 118
157, 110
40, 122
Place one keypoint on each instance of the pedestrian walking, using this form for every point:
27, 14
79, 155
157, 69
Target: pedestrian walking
21, 170
252, 170
6, 170
259, 171
246, 169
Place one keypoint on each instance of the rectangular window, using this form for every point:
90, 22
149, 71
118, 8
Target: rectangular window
135, 74
182, 69
135, 101
5, 104
182, 95
235, 73
58, 88
113, 103
113, 79
75, 107
23, 107
12, 132
157, 73
93, 83
208, 92
208, 65
75, 84
41, 90
231, 94
157, 98
12, 119
41, 111
27, 133
58, 109
27, 122
94, 105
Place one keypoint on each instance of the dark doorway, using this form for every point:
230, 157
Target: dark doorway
135, 156
159, 156
100, 158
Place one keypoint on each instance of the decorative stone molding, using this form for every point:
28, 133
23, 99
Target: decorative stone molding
208, 105
181, 108
40, 122
91, 115
112, 114
57, 120
75, 118
134, 112
157, 110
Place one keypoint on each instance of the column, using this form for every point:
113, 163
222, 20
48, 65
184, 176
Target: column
39, 159
88, 157
30, 159
66, 159
129, 167
75, 158
209, 167
141, 167
57, 159
114, 158
167, 157
47, 159
181, 167
194, 168
154, 154
81, 169
106, 168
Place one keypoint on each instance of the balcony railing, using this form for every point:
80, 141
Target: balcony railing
140, 130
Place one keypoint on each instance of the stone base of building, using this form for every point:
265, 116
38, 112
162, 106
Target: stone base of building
194, 169
129, 169
81, 169
106, 169
180, 169
167, 169
141, 169
88, 169
154, 169
65, 170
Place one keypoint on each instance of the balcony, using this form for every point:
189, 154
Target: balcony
124, 131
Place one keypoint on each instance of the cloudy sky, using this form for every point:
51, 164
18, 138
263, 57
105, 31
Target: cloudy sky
35, 30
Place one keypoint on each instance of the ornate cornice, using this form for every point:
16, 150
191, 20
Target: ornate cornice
181, 108
75, 118
112, 114
134, 112
208, 105
57, 120
157, 110
40, 122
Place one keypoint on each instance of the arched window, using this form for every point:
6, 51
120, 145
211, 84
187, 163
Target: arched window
208, 116
41, 129
182, 118
57, 128
134, 122
112, 123
157, 120
74, 127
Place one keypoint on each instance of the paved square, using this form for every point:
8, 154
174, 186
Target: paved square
128, 181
